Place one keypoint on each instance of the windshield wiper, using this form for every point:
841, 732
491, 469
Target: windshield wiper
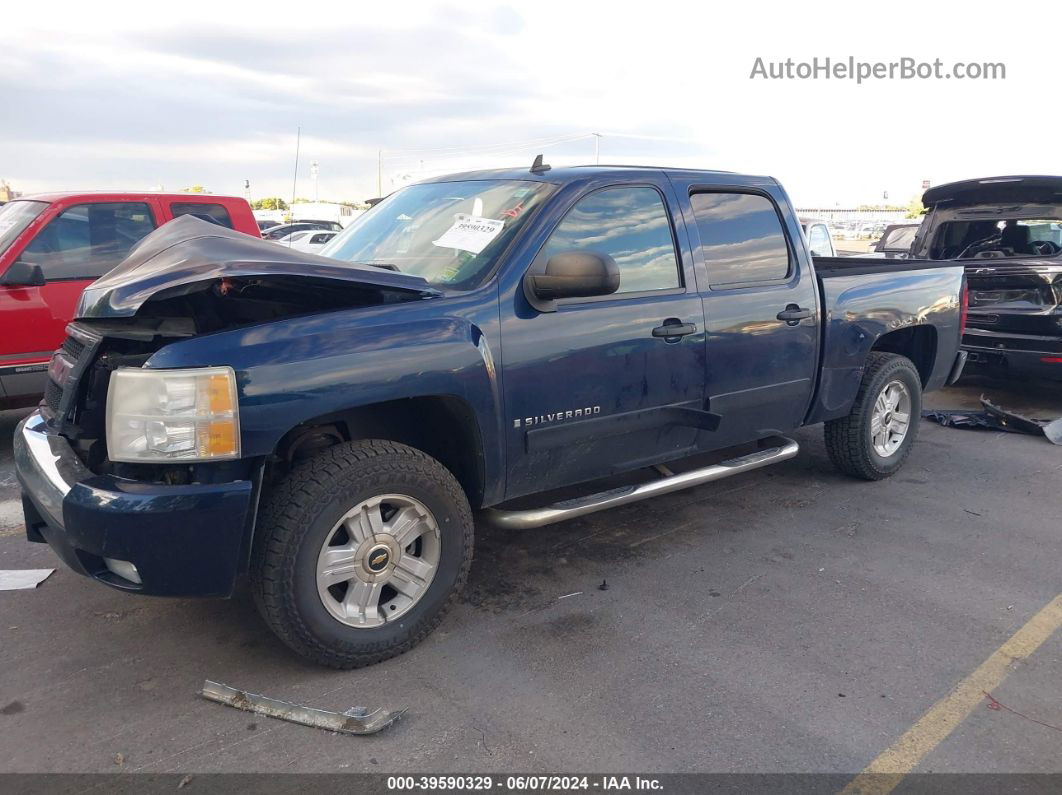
387, 266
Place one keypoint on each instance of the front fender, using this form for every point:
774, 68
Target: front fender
294, 370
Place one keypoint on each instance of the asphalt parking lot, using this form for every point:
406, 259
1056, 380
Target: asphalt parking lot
789, 619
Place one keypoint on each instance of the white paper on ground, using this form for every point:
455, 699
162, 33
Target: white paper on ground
20, 579
470, 233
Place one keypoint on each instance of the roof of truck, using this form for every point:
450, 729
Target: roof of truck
559, 174
994, 190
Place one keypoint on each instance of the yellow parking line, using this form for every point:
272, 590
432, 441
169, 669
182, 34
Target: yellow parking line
883, 774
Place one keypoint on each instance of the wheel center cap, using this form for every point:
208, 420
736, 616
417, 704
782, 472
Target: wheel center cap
378, 559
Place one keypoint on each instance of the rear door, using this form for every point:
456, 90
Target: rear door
588, 386
78, 243
761, 311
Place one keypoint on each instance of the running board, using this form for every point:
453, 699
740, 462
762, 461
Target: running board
781, 449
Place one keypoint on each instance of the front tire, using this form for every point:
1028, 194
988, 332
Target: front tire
874, 440
360, 551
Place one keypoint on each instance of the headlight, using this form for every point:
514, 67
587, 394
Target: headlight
172, 415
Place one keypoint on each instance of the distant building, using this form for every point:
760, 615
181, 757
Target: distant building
6, 194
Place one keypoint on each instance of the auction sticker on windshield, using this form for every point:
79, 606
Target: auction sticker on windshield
470, 233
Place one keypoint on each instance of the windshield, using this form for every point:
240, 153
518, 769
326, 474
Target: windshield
449, 233
16, 216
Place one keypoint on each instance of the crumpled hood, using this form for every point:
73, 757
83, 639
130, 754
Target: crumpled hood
188, 251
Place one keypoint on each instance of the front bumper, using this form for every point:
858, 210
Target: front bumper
186, 540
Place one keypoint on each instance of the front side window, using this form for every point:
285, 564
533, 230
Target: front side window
87, 240
449, 233
630, 225
15, 217
207, 211
741, 238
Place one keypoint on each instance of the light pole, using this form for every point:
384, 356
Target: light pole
597, 148
313, 173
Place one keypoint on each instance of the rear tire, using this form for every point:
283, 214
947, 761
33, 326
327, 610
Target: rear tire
360, 551
868, 443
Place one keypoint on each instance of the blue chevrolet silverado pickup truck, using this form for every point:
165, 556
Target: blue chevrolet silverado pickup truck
536, 345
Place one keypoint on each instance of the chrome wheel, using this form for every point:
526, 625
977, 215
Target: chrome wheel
891, 418
378, 561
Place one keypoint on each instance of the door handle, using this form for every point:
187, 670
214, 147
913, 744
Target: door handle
674, 328
793, 314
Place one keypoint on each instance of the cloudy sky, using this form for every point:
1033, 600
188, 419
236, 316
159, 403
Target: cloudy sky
106, 94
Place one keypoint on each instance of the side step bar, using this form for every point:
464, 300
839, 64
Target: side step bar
781, 449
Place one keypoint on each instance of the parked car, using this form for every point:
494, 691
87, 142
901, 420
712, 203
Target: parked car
1007, 232
504, 340
53, 245
312, 240
819, 237
264, 224
283, 230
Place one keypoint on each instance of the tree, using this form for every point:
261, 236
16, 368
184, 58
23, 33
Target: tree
195, 189
915, 208
272, 203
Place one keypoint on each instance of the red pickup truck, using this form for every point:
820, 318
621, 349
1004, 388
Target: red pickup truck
54, 245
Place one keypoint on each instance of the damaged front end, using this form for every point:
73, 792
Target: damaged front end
190, 278
258, 280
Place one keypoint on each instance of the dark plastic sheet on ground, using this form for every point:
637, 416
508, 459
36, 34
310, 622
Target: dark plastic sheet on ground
996, 418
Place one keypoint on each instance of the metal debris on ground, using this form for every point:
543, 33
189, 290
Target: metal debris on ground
996, 418
23, 579
356, 720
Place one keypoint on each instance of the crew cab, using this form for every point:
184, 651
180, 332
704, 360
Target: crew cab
535, 345
1007, 232
53, 245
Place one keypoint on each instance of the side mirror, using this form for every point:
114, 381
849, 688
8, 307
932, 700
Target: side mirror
22, 274
576, 274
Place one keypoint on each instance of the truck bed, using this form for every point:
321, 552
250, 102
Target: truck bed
864, 299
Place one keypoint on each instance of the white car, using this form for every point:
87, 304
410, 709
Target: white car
819, 237
308, 240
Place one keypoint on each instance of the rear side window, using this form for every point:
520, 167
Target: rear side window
631, 225
741, 238
87, 240
208, 211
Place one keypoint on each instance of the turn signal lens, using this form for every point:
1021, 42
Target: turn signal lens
172, 415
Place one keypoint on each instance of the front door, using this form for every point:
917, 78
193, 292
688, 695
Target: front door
761, 309
588, 386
